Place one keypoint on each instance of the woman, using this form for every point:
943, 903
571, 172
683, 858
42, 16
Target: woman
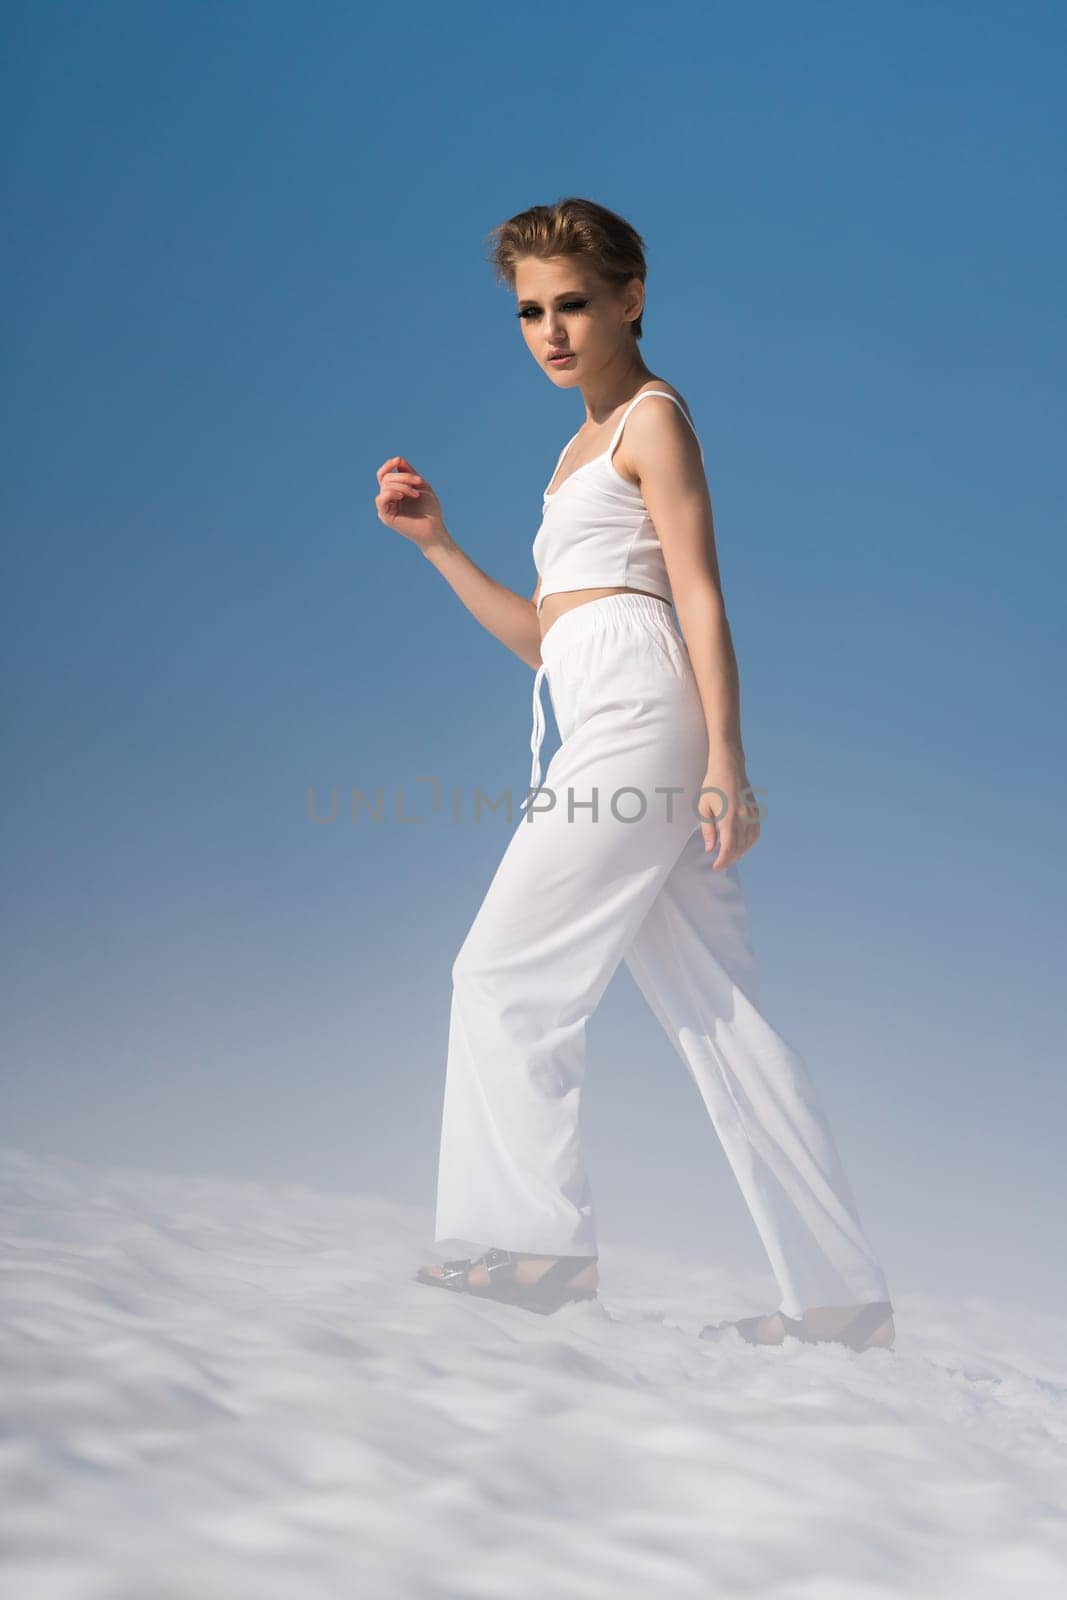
611, 858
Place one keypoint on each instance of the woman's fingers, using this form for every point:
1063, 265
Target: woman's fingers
392, 501
733, 843
396, 466
728, 854
398, 482
399, 487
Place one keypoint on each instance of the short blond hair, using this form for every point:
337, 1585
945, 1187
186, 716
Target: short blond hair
572, 227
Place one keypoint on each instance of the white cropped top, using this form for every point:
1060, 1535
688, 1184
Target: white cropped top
595, 531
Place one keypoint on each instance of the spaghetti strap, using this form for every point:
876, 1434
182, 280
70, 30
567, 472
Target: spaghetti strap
596, 532
635, 401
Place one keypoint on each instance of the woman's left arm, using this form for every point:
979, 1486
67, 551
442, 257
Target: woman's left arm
664, 453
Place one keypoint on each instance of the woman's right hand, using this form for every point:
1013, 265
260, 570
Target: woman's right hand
406, 503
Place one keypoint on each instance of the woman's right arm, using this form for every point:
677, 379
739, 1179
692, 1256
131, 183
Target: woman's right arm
505, 614
508, 617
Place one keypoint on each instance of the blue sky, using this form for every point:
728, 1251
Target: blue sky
246, 264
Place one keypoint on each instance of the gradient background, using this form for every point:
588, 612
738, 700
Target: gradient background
245, 265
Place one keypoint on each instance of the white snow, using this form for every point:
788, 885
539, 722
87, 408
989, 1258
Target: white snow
214, 1390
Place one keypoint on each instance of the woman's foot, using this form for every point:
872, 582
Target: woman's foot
528, 1269
833, 1325
771, 1329
862, 1327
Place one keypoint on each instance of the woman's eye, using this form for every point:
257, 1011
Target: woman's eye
568, 305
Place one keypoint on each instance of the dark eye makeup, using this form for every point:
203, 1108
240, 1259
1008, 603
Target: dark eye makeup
568, 305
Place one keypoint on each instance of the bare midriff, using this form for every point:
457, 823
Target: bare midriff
567, 599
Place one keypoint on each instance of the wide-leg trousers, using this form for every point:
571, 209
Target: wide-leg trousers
608, 864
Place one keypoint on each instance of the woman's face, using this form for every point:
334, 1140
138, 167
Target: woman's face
564, 306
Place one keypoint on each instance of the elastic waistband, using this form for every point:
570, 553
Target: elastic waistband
591, 617
594, 615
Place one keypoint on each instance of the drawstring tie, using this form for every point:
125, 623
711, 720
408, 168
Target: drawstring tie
537, 736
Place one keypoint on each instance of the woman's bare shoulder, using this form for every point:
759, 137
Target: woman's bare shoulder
661, 384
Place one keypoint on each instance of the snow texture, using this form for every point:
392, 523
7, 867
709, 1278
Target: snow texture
214, 1390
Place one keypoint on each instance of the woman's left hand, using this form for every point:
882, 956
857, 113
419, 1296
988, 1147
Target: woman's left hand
730, 812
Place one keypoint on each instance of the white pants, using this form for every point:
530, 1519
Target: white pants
606, 865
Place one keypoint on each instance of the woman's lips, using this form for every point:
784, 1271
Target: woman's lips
557, 361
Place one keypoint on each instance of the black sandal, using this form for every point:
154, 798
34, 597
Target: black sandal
748, 1328
855, 1334
548, 1294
